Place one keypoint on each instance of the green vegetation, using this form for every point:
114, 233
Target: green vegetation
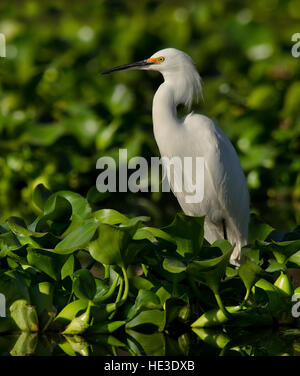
80, 271
95, 273
59, 115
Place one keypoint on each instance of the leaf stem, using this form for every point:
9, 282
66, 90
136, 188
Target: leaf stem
110, 291
106, 271
220, 304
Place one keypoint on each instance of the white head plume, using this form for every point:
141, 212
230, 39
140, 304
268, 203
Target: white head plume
180, 72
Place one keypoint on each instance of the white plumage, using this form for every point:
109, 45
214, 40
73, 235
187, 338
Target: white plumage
226, 199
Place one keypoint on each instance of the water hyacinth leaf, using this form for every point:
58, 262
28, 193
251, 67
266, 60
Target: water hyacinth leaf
24, 315
258, 230
295, 258
174, 308
109, 216
223, 245
8, 240
57, 209
69, 312
163, 295
249, 273
67, 269
210, 271
173, 265
84, 285
14, 286
214, 317
134, 221
77, 238
101, 289
140, 283
148, 318
40, 196
153, 344
251, 253
282, 251
275, 266
79, 324
188, 233
18, 227
276, 301
284, 284
144, 301
76, 221
152, 234
111, 243
80, 205
47, 262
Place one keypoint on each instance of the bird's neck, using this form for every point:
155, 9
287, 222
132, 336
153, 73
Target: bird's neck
164, 112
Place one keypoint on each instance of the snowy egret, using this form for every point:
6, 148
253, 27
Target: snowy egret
226, 200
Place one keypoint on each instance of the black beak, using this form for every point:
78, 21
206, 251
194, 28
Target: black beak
137, 64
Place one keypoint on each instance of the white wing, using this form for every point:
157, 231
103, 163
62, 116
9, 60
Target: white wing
225, 190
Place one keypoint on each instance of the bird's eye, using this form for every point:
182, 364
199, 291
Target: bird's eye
161, 59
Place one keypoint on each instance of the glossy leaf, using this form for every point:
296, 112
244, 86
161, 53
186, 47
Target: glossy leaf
84, 285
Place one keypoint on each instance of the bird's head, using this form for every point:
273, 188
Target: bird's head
177, 68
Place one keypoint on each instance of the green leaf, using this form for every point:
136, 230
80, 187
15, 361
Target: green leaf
40, 196
24, 315
295, 258
47, 262
8, 240
57, 209
141, 283
80, 205
275, 266
214, 317
67, 269
174, 265
151, 317
14, 286
79, 324
152, 234
18, 227
188, 233
110, 245
84, 285
282, 251
249, 273
144, 301
77, 238
276, 301
109, 216
258, 230
69, 312
210, 271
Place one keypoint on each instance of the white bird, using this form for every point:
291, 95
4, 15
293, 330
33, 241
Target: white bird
225, 203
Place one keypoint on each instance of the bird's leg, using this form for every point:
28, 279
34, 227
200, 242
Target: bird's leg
224, 229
